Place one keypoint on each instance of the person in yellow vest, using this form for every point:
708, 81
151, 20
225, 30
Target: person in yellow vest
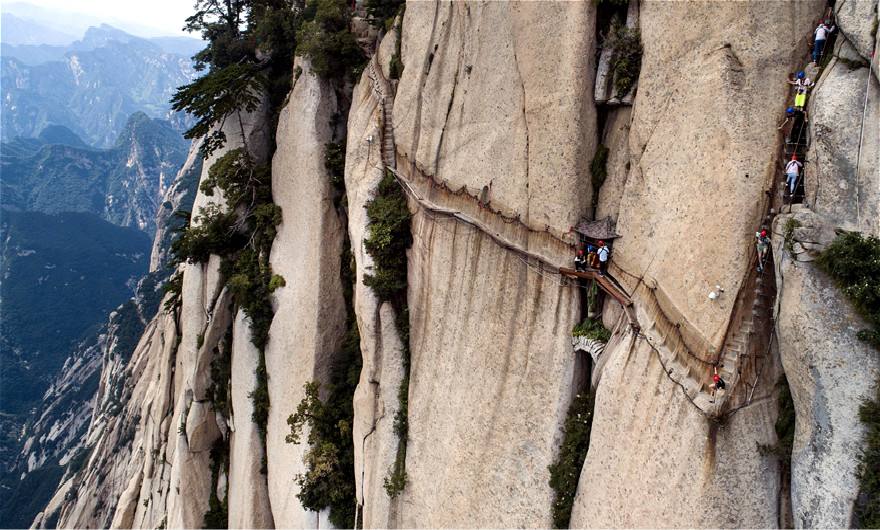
802, 85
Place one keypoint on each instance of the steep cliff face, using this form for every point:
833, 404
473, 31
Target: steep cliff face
830, 372
489, 132
699, 162
309, 319
841, 171
164, 449
148, 447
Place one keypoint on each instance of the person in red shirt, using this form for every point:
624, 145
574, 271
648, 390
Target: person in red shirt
580, 262
717, 384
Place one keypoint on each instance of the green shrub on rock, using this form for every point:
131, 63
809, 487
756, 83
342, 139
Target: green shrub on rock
592, 329
626, 60
853, 261
566, 471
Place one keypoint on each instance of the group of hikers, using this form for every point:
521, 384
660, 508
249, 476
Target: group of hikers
596, 258
797, 116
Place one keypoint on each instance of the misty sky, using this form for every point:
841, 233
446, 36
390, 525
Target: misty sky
158, 17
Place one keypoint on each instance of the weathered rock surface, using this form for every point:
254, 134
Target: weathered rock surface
856, 19
830, 373
693, 195
489, 385
480, 103
703, 124
309, 319
492, 369
616, 139
842, 180
654, 460
248, 490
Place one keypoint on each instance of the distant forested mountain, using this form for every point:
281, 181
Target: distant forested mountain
61, 274
93, 85
92, 162
77, 227
123, 185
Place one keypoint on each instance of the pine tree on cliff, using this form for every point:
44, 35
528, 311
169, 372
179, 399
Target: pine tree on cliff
250, 46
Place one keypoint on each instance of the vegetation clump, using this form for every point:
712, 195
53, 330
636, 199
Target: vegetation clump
626, 59
329, 478
249, 55
566, 471
784, 426
324, 37
591, 329
598, 171
217, 515
381, 13
246, 65
853, 261
334, 161
788, 234
395, 66
395, 482
390, 238
867, 509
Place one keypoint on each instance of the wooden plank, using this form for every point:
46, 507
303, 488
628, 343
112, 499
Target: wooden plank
604, 283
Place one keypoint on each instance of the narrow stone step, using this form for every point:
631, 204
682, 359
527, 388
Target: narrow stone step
691, 388
703, 402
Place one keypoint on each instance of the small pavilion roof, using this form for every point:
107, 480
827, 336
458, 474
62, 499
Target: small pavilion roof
598, 229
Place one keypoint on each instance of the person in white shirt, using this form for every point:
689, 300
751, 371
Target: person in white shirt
604, 253
793, 173
824, 29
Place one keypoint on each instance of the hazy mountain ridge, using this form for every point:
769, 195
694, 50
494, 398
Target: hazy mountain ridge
17, 30
92, 87
123, 185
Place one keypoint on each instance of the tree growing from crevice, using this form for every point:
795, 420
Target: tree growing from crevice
626, 57
325, 38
